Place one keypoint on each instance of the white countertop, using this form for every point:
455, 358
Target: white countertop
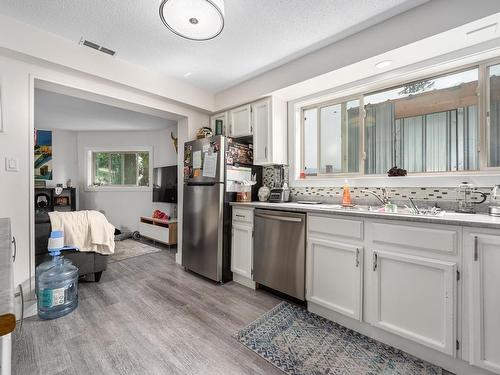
447, 218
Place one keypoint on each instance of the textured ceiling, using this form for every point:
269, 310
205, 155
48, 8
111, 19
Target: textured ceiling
57, 111
258, 34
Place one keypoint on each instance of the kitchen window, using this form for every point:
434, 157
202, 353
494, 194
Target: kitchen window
425, 126
119, 168
331, 138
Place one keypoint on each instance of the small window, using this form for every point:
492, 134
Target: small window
114, 168
331, 138
425, 126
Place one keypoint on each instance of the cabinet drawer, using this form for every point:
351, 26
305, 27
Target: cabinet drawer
334, 226
243, 215
155, 232
419, 237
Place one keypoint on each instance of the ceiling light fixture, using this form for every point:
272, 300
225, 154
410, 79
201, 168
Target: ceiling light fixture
383, 64
193, 19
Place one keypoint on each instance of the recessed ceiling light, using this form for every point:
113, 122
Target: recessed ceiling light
383, 64
188, 74
194, 19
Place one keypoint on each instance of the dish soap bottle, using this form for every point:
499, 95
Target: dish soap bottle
346, 196
56, 281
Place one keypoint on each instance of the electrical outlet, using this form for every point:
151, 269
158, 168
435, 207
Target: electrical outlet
11, 164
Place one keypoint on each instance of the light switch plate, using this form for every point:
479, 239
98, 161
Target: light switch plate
11, 164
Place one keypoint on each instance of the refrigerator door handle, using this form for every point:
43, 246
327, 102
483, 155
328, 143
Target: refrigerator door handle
201, 183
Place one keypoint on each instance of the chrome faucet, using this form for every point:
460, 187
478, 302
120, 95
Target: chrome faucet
414, 207
384, 198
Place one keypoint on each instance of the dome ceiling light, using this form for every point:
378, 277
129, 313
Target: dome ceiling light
193, 19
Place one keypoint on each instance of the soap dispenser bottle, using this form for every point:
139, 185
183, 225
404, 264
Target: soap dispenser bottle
346, 196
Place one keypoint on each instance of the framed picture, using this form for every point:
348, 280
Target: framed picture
43, 155
61, 201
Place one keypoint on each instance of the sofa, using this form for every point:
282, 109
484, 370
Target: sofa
88, 263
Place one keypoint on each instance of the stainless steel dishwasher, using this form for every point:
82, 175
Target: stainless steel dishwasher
280, 251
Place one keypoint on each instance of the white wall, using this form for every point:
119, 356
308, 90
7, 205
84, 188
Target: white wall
123, 208
17, 80
31, 41
416, 24
64, 158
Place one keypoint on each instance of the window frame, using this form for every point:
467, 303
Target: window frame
318, 107
90, 168
375, 86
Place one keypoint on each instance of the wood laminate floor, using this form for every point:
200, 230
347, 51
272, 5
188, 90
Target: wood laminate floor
147, 316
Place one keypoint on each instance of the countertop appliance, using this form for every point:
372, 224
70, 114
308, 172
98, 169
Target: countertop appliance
280, 192
211, 168
494, 209
280, 251
464, 198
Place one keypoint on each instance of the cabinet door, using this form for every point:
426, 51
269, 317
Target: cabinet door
261, 120
240, 123
242, 250
334, 276
219, 117
415, 298
483, 253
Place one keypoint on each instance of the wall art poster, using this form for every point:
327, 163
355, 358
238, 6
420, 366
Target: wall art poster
43, 155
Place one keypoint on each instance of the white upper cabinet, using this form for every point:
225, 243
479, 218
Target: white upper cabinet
240, 121
269, 122
223, 118
482, 256
262, 119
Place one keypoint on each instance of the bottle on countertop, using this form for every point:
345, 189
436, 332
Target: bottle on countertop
346, 195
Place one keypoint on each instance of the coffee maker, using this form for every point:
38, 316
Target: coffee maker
280, 192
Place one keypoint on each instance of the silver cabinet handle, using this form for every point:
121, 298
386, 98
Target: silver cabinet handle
375, 261
476, 250
280, 218
357, 257
265, 152
15, 248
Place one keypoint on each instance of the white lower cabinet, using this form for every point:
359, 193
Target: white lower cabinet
334, 276
415, 297
242, 246
482, 255
242, 250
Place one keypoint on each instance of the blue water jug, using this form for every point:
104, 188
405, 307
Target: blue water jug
56, 281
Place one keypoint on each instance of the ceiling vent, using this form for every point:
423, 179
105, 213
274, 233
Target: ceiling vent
87, 43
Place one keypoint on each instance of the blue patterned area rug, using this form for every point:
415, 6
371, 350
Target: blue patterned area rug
302, 343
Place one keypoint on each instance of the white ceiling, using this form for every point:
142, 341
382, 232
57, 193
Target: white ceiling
58, 111
259, 34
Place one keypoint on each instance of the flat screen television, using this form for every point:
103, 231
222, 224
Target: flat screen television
165, 184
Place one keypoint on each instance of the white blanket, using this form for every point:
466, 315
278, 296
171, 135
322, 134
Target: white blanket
87, 230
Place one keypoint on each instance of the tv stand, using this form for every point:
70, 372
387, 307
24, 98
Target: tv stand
159, 230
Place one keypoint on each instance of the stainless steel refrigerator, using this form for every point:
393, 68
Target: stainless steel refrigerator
206, 221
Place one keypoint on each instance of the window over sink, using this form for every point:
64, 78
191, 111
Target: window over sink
426, 126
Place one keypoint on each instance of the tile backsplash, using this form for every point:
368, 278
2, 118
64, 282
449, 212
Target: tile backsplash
444, 197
